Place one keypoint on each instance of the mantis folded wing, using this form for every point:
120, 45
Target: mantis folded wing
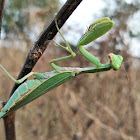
44, 82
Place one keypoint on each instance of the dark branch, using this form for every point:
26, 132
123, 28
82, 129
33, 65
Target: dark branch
9, 123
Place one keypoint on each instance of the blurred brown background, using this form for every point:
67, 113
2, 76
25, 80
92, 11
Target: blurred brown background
88, 107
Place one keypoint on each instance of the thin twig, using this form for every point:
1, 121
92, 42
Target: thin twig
106, 127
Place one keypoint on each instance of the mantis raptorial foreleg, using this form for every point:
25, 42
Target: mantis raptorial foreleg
95, 30
67, 48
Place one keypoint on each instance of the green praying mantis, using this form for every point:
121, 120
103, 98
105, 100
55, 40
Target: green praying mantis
44, 82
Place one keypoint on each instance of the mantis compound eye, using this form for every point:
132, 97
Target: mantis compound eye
115, 61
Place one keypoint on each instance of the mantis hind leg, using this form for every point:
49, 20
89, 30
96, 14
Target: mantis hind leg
20, 80
67, 48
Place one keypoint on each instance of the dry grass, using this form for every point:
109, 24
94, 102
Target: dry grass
88, 107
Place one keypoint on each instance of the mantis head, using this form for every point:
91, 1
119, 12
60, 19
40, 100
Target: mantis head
95, 30
115, 61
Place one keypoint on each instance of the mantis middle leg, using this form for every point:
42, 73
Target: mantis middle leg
67, 48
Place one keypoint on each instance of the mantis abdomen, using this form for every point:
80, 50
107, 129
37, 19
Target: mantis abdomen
19, 93
32, 89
